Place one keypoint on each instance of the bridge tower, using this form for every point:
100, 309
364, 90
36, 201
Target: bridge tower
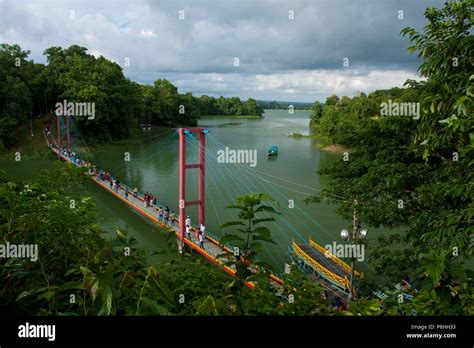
183, 166
59, 135
68, 136
67, 132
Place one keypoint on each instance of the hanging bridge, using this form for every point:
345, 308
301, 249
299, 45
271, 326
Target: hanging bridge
65, 140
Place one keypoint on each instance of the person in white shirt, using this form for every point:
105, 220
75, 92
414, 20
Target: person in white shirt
188, 232
188, 221
201, 240
203, 230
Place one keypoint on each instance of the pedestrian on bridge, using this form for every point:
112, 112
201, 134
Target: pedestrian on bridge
166, 216
147, 199
135, 192
172, 218
126, 192
201, 239
187, 223
188, 232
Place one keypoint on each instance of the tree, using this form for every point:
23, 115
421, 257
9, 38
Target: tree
76, 76
15, 94
250, 107
329, 120
344, 101
248, 241
315, 114
417, 175
446, 47
162, 102
207, 105
332, 100
191, 112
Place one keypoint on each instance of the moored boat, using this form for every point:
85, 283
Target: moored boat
272, 150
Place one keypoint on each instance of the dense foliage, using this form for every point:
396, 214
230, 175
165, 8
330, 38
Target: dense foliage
228, 106
82, 271
17, 89
76, 76
416, 173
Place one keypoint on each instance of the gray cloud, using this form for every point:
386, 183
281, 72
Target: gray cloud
280, 58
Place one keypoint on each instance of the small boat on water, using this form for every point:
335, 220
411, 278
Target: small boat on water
272, 150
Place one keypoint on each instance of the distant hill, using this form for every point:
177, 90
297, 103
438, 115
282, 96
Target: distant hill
265, 104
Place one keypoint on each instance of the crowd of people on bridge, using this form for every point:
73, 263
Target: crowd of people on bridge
74, 157
167, 216
199, 233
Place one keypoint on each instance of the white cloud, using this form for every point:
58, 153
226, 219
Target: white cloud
280, 59
147, 34
298, 85
332, 81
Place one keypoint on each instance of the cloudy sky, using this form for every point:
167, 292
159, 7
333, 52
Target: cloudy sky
280, 58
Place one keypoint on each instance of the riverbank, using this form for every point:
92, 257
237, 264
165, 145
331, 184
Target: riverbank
335, 148
324, 145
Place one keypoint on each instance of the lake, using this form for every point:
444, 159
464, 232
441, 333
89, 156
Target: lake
289, 178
